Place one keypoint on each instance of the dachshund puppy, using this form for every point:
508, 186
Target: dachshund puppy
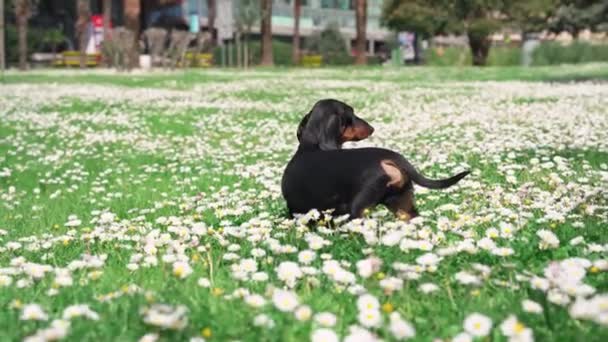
323, 176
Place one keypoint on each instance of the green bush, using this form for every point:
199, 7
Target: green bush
504, 56
281, 53
35, 39
374, 60
461, 56
551, 53
331, 45
450, 56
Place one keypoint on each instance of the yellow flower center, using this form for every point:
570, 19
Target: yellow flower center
387, 307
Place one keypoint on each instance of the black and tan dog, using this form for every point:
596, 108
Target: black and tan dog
323, 176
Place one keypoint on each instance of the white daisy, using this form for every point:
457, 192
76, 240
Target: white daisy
477, 325
285, 301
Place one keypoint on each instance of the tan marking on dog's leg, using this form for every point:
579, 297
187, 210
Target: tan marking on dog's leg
402, 205
403, 216
397, 179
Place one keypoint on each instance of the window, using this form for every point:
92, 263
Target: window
194, 6
337, 4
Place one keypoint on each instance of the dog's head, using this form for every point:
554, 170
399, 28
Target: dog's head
331, 123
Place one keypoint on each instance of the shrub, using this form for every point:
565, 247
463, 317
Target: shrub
35, 39
331, 45
504, 56
281, 52
450, 56
551, 53
461, 56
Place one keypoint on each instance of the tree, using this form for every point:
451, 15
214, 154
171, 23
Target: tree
574, 16
247, 15
211, 13
84, 14
297, 8
266, 30
22, 15
533, 15
2, 54
361, 19
478, 19
132, 10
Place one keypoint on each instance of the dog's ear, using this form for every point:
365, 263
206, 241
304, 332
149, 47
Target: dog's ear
329, 134
302, 125
320, 129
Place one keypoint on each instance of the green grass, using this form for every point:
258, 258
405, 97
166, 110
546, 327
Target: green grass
212, 149
187, 79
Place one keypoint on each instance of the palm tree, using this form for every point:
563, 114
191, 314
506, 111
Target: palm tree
131, 10
361, 18
297, 7
266, 30
107, 18
211, 13
22, 15
84, 13
2, 63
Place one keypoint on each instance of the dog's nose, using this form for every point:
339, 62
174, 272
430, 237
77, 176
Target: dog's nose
371, 130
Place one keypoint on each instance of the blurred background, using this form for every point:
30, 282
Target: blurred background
128, 34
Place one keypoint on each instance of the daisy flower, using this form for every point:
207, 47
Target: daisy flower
285, 301
33, 312
370, 318
531, 306
368, 302
477, 325
303, 313
324, 335
326, 319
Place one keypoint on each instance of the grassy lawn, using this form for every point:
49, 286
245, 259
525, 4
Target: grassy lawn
140, 204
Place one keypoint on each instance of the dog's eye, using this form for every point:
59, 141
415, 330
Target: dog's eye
346, 121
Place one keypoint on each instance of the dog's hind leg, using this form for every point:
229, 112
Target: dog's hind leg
402, 204
369, 195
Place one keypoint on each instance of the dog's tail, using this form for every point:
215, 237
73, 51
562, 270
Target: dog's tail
419, 179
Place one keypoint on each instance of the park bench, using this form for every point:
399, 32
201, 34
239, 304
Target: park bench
72, 59
203, 60
313, 61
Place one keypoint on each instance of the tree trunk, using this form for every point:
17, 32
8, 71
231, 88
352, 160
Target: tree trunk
132, 10
361, 18
416, 48
297, 7
107, 19
211, 13
84, 13
239, 55
480, 47
22, 14
246, 49
2, 54
266, 30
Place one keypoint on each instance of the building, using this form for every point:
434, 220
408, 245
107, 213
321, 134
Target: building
315, 16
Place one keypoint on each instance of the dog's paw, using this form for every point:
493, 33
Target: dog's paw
403, 216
